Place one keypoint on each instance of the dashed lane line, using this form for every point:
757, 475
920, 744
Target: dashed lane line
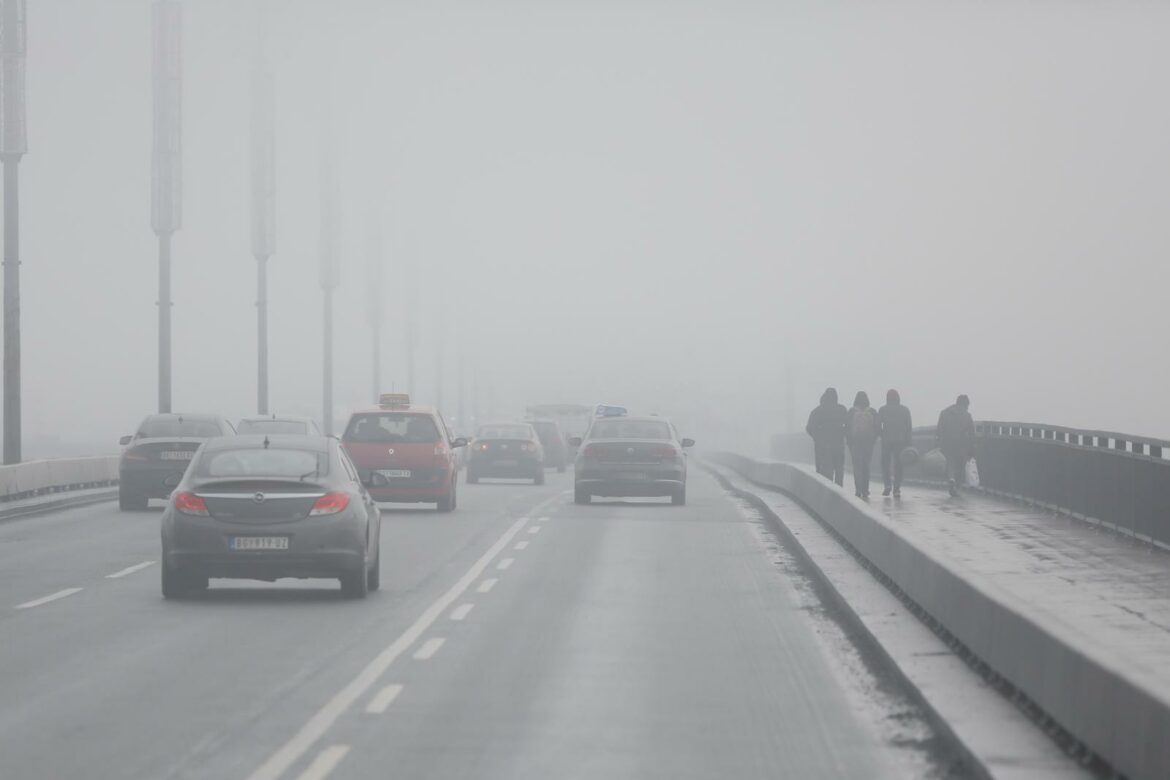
521, 546
325, 762
129, 570
460, 612
383, 699
486, 585
534, 529
505, 563
429, 648
46, 599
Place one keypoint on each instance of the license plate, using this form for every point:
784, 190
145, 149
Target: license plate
183, 455
395, 473
635, 476
258, 542
504, 463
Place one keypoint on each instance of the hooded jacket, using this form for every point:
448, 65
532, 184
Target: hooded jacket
826, 423
956, 432
897, 429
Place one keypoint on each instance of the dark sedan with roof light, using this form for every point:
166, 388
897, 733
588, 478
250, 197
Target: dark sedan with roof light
156, 456
506, 450
631, 456
266, 507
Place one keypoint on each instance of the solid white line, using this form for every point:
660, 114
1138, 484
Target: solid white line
486, 585
46, 599
504, 563
461, 611
429, 648
383, 699
521, 546
542, 519
288, 754
325, 762
129, 570
534, 529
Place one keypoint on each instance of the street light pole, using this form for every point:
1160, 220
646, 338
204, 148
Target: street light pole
166, 170
329, 275
374, 281
263, 204
13, 145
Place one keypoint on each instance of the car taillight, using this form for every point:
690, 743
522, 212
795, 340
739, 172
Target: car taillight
134, 455
592, 451
330, 504
666, 453
483, 447
190, 504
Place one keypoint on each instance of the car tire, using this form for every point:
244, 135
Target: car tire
374, 575
472, 479
131, 502
679, 497
355, 585
582, 496
447, 503
539, 478
174, 584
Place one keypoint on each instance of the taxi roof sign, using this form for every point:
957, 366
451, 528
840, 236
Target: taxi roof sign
394, 399
606, 410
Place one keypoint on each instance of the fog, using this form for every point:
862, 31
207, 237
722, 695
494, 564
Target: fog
708, 210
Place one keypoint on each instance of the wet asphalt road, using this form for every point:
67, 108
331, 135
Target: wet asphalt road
520, 637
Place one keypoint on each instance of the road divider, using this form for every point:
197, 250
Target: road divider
41, 485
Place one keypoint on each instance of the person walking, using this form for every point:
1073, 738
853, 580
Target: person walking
826, 426
897, 434
862, 429
956, 440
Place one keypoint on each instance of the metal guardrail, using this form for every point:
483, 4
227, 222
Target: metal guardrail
38, 477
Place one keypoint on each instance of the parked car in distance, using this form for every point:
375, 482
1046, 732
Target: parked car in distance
157, 454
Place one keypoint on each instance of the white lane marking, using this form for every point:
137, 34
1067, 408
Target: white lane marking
429, 648
521, 546
383, 699
461, 611
325, 762
504, 563
46, 599
129, 570
534, 529
279, 762
486, 585
542, 519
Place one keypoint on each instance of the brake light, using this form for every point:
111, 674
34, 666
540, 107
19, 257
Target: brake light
191, 504
483, 447
330, 504
134, 455
592, 451
666, 453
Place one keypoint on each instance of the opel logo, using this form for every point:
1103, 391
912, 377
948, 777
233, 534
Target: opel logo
390, 451
258, 498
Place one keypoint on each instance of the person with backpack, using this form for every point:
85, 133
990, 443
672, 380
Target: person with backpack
956, 441
826, 426
897, 434
862, 429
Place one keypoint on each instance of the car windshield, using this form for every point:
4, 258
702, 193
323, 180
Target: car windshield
263, 462
630, 429
272, 426
392, 427
165, 428
504, 432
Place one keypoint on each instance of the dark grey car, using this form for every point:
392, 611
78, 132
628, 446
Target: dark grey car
631, 456
157, 454
279, 424
266, 507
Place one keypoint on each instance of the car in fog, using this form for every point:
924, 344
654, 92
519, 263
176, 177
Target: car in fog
410, 447
270, 506
552, 439
631, 456
280, 424
506, 450
158, 453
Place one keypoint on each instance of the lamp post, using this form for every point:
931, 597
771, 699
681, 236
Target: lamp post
13, 145
328, 279
166, 172
263, 204
374, 280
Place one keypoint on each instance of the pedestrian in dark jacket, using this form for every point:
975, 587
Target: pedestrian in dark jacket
956, 440
862, 429
826, 426
897, 435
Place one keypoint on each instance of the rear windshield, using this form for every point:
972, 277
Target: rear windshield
504, 432
260, 462
403, 427
272, 426
545, 429
630, 429
161, 429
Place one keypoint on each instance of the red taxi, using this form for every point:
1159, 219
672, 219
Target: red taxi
410, 447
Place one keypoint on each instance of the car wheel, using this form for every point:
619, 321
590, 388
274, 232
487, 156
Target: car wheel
447, 503
581, 496
539, 478
472, 478
679, 498
355, 585
174, 585
129, 502
374, 576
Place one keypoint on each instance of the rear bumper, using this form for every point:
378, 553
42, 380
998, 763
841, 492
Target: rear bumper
410, 495
521, 469
318, 547
151, 480
631, 480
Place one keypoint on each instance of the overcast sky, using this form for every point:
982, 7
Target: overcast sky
702, 209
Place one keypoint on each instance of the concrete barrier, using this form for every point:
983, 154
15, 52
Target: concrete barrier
23, 480
1120, 714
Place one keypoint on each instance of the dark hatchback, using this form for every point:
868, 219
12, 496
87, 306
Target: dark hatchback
508, 451
556, 450
266, 507
631, 456
157, 455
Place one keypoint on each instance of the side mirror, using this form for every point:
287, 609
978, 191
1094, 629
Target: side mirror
687, 442
375, 480
125, 440
574, 441
460, 442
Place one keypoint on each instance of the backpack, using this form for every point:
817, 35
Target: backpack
863, 425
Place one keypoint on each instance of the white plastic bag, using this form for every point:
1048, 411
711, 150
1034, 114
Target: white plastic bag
972, 469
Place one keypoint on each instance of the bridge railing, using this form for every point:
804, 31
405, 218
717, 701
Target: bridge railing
1116, 479
38, 477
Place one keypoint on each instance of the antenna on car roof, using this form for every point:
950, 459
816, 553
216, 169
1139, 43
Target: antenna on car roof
266, 442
